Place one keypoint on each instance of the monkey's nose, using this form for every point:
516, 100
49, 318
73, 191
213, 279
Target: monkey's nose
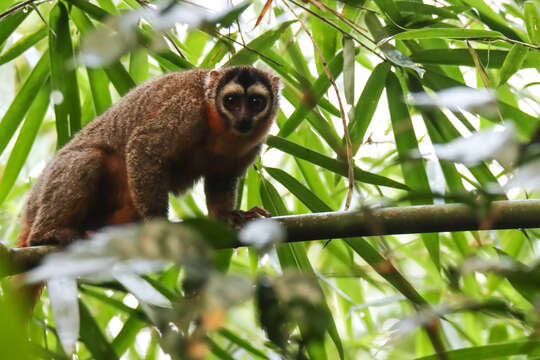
243, 125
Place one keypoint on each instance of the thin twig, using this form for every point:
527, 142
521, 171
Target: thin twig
144, 4
483, 75
350, 171
16, 8
348, 34
174, 45
355, 27
218, 34
512, 41
35, 6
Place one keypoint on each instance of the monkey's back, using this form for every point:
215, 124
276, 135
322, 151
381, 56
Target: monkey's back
151, 103
179, 92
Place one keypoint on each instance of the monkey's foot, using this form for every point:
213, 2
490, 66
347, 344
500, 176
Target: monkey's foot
238, 218
62, 237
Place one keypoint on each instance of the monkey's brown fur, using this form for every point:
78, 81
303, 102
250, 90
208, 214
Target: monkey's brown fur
161, 137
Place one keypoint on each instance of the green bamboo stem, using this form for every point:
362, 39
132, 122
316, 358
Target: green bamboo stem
370, 222
510, 214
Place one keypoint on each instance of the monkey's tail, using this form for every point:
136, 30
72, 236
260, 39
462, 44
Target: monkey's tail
29, 294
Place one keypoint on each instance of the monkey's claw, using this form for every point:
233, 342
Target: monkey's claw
259, 211
239, 218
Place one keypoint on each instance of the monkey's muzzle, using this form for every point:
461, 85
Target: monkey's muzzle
244, 126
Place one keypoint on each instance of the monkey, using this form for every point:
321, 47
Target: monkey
161, 137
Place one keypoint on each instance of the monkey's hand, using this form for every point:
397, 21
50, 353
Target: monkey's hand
238, 218
220, 192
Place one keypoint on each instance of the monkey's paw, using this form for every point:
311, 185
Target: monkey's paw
238, 218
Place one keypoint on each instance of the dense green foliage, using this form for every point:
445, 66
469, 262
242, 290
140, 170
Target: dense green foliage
474, 294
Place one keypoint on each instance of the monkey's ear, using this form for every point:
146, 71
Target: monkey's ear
213, 75
275, 81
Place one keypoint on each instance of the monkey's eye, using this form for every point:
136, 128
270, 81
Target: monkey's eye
256, 103
232, 102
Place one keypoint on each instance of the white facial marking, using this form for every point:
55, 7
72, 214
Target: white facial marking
258, 89
232, 87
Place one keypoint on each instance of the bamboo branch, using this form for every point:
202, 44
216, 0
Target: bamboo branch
370, 222
508, 214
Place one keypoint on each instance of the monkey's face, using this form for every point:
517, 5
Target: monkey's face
245, 100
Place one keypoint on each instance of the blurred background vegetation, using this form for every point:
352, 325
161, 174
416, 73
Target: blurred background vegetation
353, 62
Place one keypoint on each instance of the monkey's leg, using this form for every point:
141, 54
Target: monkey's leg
221, 193
68, 191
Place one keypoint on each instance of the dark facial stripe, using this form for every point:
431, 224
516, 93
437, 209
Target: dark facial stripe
245, 79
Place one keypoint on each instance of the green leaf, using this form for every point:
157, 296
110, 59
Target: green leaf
92, 337
385, 268
446, 130
491, 18
389, 8
336, 166
120, 78
251, 51
348, 69
6, 4
244, 344
525, 123
218, 51
512, 63
459, 57
291, 77
448, 33
99, 85
436, 122
295, 53
293, 255
116, 72
10, 23
322, 126
532, 20
413, 170
319, 88
114, 302
148, 37
391, 53
495, 351
366, 105
23, 44
63, 76
311, 173
108, 5
196, 41
227, 19
271, 199
23, 100
325, 37
24, 142
139, 65
91, 9
299, 190
406, 143
219, 352
417, 8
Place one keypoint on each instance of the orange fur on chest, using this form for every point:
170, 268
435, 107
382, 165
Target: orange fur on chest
223, 142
